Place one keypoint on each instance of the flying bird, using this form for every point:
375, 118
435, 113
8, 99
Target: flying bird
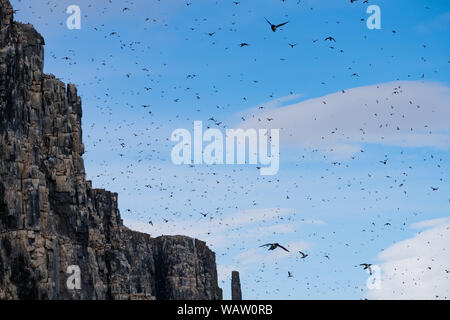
367, 266
303, 255
273, 246
274, 27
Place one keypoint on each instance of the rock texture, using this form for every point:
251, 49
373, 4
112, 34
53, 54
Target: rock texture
51, 217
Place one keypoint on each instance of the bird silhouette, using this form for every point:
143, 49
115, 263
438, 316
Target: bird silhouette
274, 27
367, 266
303, 255
273, 246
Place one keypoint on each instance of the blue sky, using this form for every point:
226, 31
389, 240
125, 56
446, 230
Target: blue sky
340, 201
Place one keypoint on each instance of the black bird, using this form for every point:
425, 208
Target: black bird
367, 266
274, 27
273, 246
303, 255
434, 189
290, 274
330, 39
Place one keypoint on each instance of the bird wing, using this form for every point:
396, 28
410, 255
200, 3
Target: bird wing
265, 245
282, 24
283, 248
268, 21
366, 265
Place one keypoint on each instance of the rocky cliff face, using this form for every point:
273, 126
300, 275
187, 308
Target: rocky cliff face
51, 217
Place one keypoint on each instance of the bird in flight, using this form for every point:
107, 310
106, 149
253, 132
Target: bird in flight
303, 255
290, 274
367, 266
274, 27
273, 246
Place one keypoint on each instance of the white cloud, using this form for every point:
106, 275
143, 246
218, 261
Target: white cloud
401, 113
430, 223
417, 268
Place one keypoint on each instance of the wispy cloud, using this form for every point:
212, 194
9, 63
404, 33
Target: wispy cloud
441, 22
401, 113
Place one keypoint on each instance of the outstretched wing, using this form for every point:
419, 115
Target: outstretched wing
268, 21
366, 265
282, 24
265, 245
283, 248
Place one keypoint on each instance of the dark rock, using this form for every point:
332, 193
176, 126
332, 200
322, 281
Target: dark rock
51, 217
236, 293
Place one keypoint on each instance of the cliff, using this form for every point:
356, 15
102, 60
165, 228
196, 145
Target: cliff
52, 218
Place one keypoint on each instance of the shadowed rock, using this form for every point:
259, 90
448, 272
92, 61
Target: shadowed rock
52, 218
236, 293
